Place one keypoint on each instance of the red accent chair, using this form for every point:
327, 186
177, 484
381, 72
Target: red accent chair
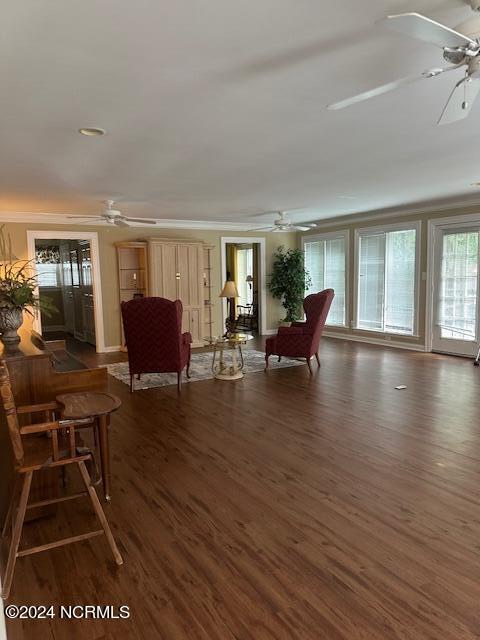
154, 338
302, 339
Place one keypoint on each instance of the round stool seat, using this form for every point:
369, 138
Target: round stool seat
87, 404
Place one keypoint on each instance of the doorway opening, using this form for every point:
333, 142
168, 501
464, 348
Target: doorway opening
455, 319
68, 271
243, 262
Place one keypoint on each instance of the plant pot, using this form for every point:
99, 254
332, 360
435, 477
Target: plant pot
10, 321
284, 323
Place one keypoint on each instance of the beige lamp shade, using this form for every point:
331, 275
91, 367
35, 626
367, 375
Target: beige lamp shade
229, 290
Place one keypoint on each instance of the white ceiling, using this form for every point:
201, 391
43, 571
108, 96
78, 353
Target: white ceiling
215, 110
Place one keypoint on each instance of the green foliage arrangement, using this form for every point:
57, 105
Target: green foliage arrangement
18, 282
289, 280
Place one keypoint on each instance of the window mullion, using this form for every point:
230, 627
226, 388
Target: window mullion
385, 281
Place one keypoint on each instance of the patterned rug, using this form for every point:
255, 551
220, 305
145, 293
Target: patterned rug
200, 369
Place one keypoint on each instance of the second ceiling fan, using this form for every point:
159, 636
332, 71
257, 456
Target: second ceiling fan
461, 48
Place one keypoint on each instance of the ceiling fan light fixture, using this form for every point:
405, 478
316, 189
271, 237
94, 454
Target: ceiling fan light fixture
92, 131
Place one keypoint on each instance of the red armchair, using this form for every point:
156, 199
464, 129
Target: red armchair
302, 339
154, 338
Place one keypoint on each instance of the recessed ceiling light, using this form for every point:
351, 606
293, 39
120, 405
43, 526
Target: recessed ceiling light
91, 131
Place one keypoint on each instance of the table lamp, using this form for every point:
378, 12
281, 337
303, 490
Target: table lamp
230, 292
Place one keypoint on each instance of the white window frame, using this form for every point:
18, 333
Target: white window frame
397, 226
333, 235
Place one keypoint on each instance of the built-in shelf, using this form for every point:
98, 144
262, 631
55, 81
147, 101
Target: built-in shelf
132, 273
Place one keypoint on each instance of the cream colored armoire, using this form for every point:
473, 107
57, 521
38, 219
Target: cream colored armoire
176, 271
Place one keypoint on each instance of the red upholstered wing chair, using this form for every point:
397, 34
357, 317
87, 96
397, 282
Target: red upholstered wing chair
302, 339
154, 338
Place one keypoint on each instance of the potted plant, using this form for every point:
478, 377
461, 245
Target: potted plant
18, 285
289, 280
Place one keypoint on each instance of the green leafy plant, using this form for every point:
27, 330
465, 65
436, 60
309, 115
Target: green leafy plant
18, 282
289, 280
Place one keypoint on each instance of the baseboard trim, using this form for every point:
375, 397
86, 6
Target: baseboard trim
270, 332
411, 346
54, 327
110, 349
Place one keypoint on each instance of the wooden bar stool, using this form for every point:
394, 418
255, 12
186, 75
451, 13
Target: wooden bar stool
97, 405
34, 452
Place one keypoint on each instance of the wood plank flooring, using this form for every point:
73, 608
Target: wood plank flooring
282, 507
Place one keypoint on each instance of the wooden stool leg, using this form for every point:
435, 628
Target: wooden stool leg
318, 358
104, 455
100, 513
17, 532
8, 517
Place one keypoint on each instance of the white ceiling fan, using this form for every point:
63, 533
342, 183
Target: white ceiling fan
282, 223
461, 48
113, 216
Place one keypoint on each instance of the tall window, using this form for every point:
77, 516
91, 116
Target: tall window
244, 258
325, 260
47, 262
386, 280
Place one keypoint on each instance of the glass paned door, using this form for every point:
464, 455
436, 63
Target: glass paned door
456, 326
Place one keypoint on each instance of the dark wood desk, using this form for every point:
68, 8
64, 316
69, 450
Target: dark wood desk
34, 380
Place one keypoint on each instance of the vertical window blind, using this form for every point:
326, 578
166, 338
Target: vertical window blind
325, 262
386, 281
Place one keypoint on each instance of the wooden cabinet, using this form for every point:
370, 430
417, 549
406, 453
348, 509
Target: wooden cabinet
176, 271
172, 269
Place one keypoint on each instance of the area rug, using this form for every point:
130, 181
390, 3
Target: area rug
200, 369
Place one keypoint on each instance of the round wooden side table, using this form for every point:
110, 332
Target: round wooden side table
93, 404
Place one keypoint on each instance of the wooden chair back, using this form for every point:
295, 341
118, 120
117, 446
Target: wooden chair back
10, 409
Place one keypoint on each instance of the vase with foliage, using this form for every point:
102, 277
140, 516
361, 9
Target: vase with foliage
18, 285
289, 280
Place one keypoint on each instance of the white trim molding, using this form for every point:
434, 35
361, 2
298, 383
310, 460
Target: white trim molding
92, 237
383, 342
386, 228
64, 218
434, 226
397, 212
261, 276
3, 630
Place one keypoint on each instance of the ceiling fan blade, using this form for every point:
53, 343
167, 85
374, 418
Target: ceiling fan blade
297, 227
85, 217
390, 86
460, 100
120, 223
372, 93
270, 228
417, 26
142, 220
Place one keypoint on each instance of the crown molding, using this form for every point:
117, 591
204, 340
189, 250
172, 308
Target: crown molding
394, 213
63, 218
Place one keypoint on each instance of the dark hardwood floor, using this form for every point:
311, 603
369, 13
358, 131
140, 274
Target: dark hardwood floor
282, 506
